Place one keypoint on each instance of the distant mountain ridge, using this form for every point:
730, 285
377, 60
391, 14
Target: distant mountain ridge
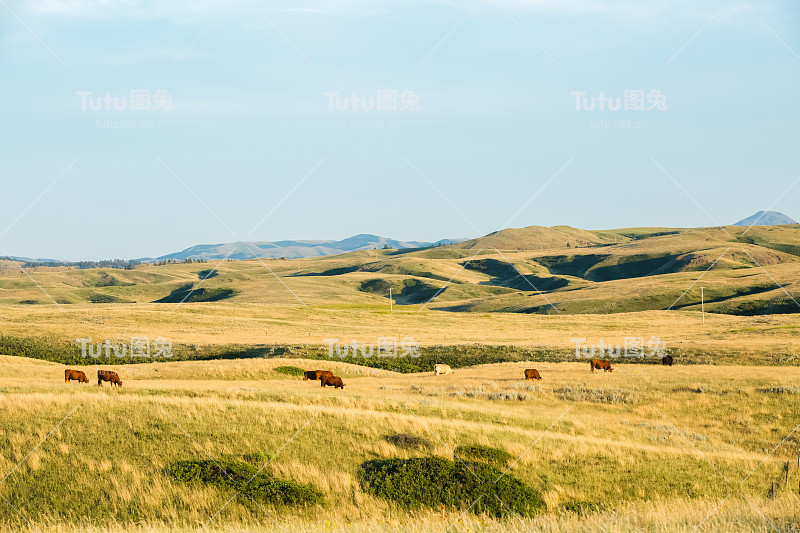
294, 249
766, 218
527, 238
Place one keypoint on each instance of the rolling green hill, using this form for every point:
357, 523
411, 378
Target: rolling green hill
527, 270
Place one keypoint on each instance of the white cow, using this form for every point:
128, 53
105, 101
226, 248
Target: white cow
442, 369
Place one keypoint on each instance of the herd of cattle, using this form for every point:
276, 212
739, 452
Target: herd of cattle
102, 375
326, 377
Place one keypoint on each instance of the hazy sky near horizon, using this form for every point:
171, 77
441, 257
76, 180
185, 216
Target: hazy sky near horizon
479, 127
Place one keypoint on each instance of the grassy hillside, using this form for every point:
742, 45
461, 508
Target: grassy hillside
645, 448
530, 270
693, 447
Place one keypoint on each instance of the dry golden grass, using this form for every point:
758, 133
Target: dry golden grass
224, 323
653, 462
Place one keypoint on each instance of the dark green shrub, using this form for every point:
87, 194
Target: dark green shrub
245, 478
289, 370
375, 286
409, 442
186, 294
29, 302
437, 482
478, 453
206, 274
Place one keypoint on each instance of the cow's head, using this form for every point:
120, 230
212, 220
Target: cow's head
84, 379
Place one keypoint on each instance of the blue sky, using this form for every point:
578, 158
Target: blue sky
250, 135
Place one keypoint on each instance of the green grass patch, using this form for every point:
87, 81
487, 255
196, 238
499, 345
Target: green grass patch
289, 370
246, 479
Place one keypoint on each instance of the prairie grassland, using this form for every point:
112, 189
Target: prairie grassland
647, 447
770, 339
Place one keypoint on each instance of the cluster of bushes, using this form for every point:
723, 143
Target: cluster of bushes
46, 348
459, 356
68, 351
206, 274
186, 294
100, 298
245, 479
81, 265
436, 482
178, 261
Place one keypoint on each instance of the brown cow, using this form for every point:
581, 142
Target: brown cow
331, 381
77, 375
316, 374
601, 364
108, 375
532, 373
667, 360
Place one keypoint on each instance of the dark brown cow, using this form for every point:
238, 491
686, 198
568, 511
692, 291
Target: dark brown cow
667, 360
108, 375
532, 373
601, 364
316, 374
331, 381
77, 375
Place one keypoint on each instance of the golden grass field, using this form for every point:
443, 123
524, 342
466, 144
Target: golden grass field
693, 447
656, 448
771, 339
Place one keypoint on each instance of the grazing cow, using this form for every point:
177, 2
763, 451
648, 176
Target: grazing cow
442, 369
601, 364
667, 360
331, 381
77, 375
315, 374
108, 375
532, 373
